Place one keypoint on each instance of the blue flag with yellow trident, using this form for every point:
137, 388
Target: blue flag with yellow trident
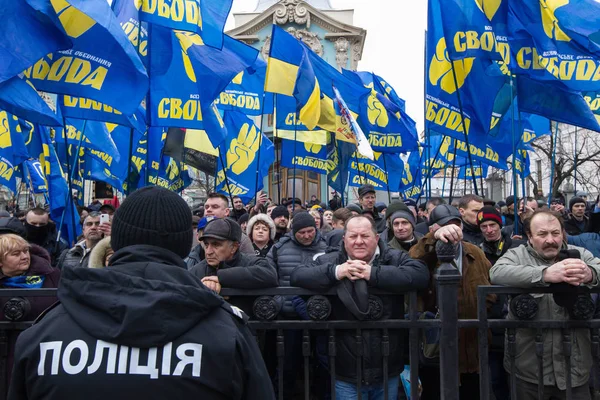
477, 80
305, 156
33, 170
206, 18
377, 83
101, 62
556, 41
25, 38
247, 152
411, 178
290, 72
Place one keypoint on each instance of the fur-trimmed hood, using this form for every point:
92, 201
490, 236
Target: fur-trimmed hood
264, 218
98, 254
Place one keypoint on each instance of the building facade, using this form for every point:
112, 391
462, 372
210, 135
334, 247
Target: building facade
330, 34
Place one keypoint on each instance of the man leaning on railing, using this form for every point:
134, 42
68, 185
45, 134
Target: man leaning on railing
546, 260
362, 263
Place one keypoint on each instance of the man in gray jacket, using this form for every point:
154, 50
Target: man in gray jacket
544, 261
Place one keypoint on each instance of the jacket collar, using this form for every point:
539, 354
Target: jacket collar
145, 253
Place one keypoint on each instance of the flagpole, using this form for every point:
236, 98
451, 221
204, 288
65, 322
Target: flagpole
129, 161
387, 178
444, 181
553, 140
277, 148
337, 151
514, 162
259, 147
452, 177
226, 179
466, 135
70, 172
294, 162
575, 163
429, 169
520, 127
428, 142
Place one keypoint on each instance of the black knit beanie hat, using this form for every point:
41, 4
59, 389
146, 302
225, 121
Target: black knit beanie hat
301, 220
153, 216
575, 200
280, 211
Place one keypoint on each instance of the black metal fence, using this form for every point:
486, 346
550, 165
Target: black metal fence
265, 318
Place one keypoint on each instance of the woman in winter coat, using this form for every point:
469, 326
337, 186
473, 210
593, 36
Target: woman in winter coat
24, 266
261, 231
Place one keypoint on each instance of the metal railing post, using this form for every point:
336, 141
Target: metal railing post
448, 278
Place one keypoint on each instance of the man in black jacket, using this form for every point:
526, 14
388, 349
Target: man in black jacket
225, 266
367, 198
468, 206
577, 222
364, 262
144, 327
93, 232
42, 231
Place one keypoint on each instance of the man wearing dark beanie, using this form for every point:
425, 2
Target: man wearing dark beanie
495, 241
577, 222
297, 248
146, 309
281, 216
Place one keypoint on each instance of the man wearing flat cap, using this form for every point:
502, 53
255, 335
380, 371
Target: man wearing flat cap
225, 266
367, 198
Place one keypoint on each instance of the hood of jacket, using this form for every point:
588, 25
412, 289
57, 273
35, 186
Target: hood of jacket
263, 218
40, 262
145, 298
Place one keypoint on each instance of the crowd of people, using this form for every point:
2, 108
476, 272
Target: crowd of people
140, 293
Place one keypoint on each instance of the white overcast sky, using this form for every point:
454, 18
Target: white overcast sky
394, 46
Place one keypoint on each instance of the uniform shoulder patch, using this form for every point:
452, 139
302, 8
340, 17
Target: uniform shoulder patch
236, 311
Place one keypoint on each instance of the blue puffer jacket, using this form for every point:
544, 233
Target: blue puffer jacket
287, 254
589, 241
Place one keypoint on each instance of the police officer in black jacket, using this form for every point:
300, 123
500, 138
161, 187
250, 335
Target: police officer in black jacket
144, 327
364, 262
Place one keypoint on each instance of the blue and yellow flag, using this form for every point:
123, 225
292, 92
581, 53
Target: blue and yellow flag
26, 37
187, 76
522, 163
206, 18
289, 127
338, 159
569, 57
7, 165
246, 91
241, 151
290, 73
35, 174
19, 97
411, 178
377, 83
382, 172
467, 28
487, 153
304, 156
478, 171
82, 108
558, 104
101, 62
127, 13
477, 80
96, 138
